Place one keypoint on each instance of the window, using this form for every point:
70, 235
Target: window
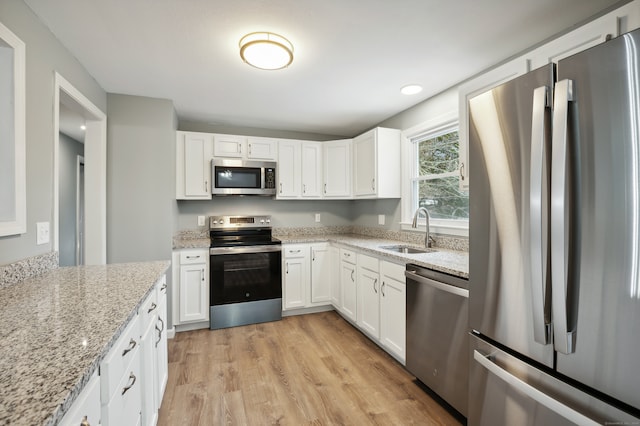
435, 182
432, 179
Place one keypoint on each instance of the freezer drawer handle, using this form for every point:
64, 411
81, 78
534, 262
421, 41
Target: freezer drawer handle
538, 216
542, 398
564, 335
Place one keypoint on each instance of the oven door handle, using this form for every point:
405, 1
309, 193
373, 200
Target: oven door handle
245, 249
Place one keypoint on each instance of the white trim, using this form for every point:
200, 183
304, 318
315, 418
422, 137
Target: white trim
431, 127
79, 232
19, 225
95, 153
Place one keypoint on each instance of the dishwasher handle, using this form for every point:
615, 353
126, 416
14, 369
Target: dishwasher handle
413, 275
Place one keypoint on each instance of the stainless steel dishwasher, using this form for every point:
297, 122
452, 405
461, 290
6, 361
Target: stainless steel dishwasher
437, 333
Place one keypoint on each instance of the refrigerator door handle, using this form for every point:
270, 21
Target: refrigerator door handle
564, 336
532, 392
539, 217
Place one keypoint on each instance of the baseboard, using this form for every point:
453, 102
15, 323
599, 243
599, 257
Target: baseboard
171, 333
311, 310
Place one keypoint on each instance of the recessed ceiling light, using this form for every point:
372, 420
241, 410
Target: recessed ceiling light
83, 127
411, 89
267, 51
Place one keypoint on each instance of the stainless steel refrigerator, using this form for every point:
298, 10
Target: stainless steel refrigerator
554, 292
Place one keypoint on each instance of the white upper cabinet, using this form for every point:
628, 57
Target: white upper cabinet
311, 170
230, 146
376, 164
193, 165
337, 168
289, 169
262, 149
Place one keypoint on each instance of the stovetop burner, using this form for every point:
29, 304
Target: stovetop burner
232, 231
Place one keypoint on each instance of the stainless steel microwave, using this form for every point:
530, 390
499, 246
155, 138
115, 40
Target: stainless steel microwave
239, 177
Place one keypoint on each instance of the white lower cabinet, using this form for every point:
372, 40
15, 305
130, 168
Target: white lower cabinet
148, 314
308, 274
393, 309
160, 343
86, 407
368, 308
348, 284
336, 287
191, 286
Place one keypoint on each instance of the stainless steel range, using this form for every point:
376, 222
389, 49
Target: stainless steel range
245, 271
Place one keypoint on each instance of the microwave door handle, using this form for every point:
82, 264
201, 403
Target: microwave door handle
564, 333
538, 217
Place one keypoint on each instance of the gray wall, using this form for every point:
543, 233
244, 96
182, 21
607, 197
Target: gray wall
44, 56
68, 157
140, 178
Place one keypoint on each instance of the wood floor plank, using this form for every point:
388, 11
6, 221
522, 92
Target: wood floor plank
314, 369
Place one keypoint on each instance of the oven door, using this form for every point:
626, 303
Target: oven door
245, 274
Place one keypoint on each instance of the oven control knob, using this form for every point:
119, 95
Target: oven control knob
261, 220
268, 220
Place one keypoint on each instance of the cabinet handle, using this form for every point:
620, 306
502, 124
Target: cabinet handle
202, 274
132, 377
325, 188
304, 188
294, 251
375, 281
313, 255
153, 306
132, 344
281, 187
382, 289
353, 279
193, 257
286, 267
239, 148
249, 149
85, 421
159, 330
206, 186
373, 184
164, 287
461, 169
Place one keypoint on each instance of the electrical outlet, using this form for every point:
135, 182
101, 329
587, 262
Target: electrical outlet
42, 233
317, 217
200, 220
380, 219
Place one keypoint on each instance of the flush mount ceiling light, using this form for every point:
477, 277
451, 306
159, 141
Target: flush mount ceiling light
411, 89
267, 51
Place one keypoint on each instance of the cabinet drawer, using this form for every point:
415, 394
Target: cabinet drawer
113, 367
393, 270
87, 404
290, 251
148, 310
368, 262
193, 256
348, 255
125, 404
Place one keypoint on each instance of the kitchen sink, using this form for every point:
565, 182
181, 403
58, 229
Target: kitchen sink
407, 249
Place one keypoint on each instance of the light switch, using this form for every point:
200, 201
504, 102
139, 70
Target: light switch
317, 217
380, 219
42, 233
200, 220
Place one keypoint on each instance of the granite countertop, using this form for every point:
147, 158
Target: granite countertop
57, 328
448, 261
444, 260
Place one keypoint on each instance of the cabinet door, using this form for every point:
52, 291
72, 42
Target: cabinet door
230, 146
393, 310
295, 281
349, 289
311, 169
86, 404
262, 149
194, 303
321, 272
364, 165
368, 312
162, 357
149, 374
337, 168
193, 166
336, 288
289, 169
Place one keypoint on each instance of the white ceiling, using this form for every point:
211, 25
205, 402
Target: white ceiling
351, 57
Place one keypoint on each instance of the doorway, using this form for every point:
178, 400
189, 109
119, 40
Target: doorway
89, 223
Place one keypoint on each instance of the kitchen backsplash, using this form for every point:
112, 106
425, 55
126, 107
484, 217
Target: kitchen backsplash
18, 271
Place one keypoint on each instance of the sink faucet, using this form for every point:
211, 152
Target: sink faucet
414, 224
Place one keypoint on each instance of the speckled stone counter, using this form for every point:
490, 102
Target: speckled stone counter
57, 327
443, 260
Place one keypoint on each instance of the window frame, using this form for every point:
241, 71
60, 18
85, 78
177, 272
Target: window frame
438, 125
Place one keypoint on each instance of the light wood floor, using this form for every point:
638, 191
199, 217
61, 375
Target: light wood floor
311, 369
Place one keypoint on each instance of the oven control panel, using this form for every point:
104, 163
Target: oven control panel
216, 222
